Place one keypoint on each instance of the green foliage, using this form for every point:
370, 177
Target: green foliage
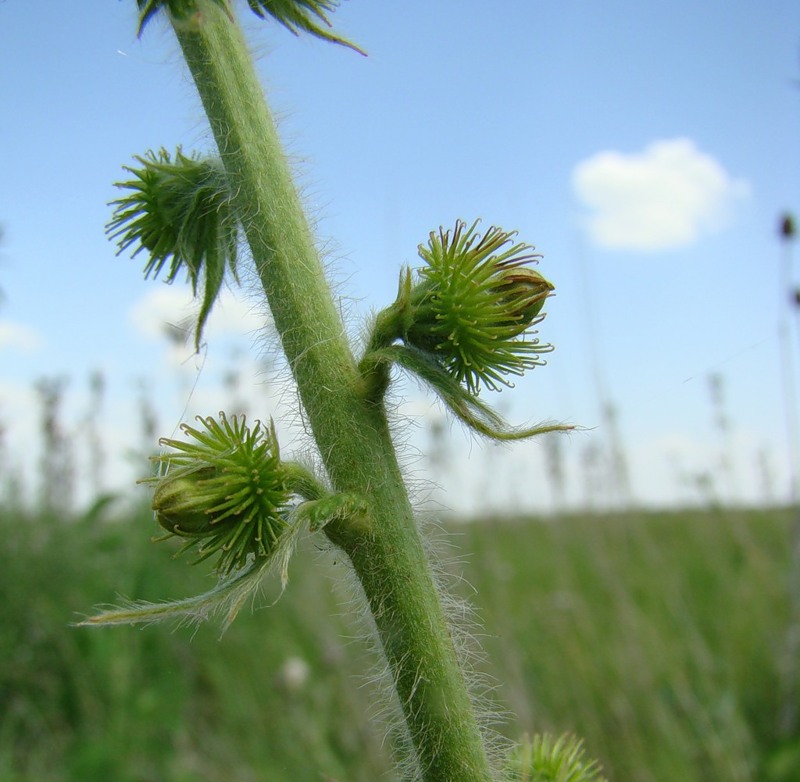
657, 638
168, 705
179, 212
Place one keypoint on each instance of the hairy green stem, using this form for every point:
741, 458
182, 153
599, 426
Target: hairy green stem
351, 431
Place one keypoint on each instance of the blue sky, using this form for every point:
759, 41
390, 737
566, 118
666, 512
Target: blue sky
647, 150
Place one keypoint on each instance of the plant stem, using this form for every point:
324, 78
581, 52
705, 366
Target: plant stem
351, 432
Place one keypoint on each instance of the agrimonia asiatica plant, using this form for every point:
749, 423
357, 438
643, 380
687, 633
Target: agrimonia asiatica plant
463, 323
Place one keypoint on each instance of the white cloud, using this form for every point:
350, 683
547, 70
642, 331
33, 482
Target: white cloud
167, 306
666, 196
16, 336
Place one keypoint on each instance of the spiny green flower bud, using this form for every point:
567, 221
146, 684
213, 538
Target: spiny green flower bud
180, 213
227, 492
476, 300
547, 759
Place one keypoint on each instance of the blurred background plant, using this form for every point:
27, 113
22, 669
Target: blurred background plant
667, 640
662, 638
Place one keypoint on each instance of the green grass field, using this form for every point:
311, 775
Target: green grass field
660, 639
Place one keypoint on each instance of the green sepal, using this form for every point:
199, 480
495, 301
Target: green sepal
465, 406
180, 212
